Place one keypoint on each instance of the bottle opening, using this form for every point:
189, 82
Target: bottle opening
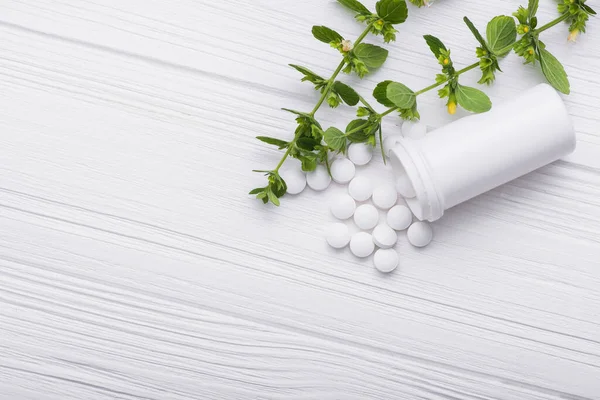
413, 181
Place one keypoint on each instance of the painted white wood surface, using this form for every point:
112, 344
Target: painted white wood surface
134, 266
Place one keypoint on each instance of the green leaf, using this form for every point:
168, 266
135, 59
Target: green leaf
335, 139
554, 71
308, 74
360, 136
347, 94
307, 143
257, 191
273, 198
326, 35
475, 32
309, 162
472, 99
392, 11
380, 94
355, 5
435, 45
533, 7
400, 95
588, 9
501, 34
282, 144
373, 56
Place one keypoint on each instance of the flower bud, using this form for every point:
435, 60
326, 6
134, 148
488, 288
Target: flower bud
573, 35
347, 45
451, 107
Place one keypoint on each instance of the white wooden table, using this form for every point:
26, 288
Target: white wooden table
134, 266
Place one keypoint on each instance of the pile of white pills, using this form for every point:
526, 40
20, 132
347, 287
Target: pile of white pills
377, 235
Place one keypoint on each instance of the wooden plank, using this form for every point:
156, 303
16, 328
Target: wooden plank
133, 265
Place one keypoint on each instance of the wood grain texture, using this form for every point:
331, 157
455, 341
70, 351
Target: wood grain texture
134, 266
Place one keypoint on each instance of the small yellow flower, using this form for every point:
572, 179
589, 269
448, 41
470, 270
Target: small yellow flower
347, 45
446, 61
531, 52
451, 108
526, 29
573, 35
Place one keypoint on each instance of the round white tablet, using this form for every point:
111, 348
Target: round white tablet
366, 216
318, 179
389, 143
399, 217
360, 153
343, 207
420, 234
361, 244
295, 179
342, 170
414, 130
385, 196
360, 188
384, 236
404, 186
386, 260
337, 235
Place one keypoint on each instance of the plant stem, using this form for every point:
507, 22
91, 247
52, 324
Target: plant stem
331, 80
552, 23
285, 156
324, 95
328, 88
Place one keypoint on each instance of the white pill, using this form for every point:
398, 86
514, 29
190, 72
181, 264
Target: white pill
386, 260
337, 235
360, 153
343, 207
366, 216
361, 244
404, 186
420, 234
414, 130
389, 143
385, 196
360, 188
318, 179
399, 217
384, 236
342, 170
295, 179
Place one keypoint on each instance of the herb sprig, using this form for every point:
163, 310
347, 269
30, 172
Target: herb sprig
307, 145
311, 145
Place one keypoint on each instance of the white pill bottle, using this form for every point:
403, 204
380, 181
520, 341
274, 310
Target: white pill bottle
468, 157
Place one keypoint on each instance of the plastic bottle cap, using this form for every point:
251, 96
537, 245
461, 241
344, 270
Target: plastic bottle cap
360, 188
366, 216
343, 207
337, 235
361, 244
342, 170
384, 236
318, 179
399, 217
386, 260
360, 153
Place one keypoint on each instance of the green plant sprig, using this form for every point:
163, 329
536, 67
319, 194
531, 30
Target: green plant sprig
307, 145
501, 38
501, 34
